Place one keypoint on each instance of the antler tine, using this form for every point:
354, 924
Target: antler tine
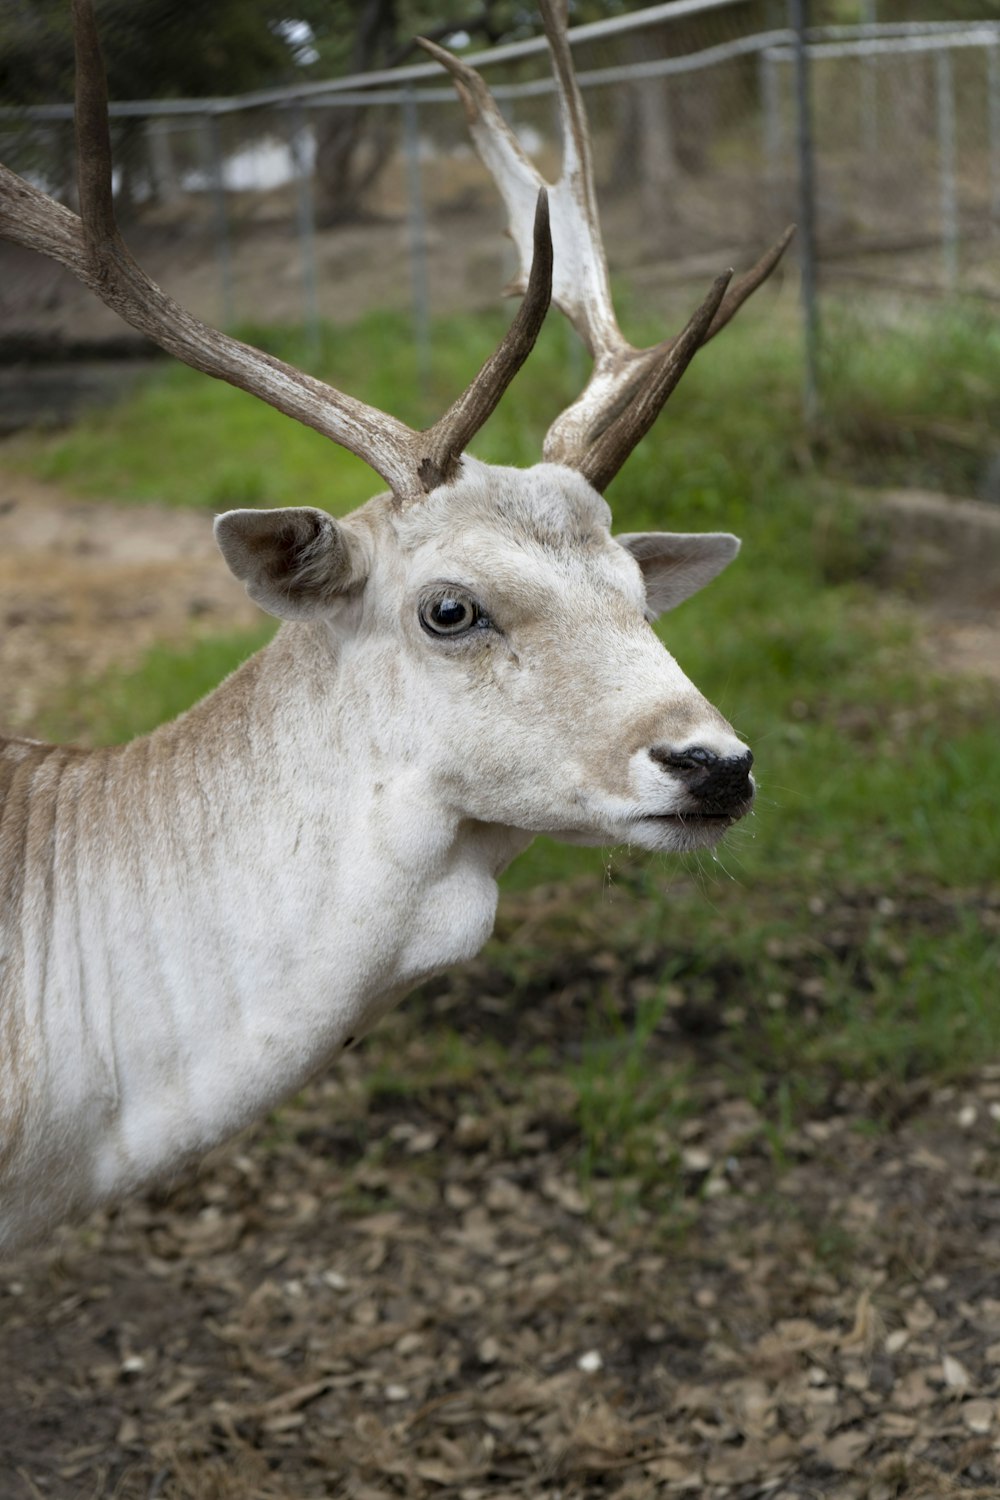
627, 375
588, 304
442, 445
91, 247
596, 433
580, 286
744, 286
610, 446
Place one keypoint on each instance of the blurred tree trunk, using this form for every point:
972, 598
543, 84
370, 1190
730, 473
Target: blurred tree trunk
353, 144
350, 154
348, 159
645, 158
657, 153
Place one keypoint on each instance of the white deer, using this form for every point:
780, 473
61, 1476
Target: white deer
192, 924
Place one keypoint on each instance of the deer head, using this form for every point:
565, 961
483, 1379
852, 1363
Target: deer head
510, 627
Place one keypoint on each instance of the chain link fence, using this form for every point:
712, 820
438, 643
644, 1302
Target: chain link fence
325, 201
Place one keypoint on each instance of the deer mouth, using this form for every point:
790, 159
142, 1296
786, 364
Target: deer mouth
699, 819
680, 831
705, 827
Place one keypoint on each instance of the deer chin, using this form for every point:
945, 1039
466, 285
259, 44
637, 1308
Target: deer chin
659, 833
677, 832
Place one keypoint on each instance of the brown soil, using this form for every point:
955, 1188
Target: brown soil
944, 553
358, 267
384, 1294
84, 586
467, 258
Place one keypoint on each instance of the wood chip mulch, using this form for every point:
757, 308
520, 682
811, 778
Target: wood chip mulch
392, 1294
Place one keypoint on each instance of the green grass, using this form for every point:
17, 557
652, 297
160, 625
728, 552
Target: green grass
876, 777
628, 1110
931, 388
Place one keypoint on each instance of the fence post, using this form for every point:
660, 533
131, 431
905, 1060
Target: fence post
770, 100
307, 224
162, 167
418, 237
993, 89
869, 87
215, 172
946, 158
799, 17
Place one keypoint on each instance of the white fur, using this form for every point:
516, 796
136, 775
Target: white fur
209, 914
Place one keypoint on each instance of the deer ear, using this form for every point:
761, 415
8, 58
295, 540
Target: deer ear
296, 562
676, 564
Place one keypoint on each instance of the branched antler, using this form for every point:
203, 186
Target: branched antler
628, 387
90, 245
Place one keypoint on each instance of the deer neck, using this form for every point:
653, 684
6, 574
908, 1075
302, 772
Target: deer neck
252, 886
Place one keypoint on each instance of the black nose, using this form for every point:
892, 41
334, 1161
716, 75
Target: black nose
719, 784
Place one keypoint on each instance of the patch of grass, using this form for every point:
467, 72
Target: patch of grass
891, 403
798, 993
935, 1013
444, 1061
628, 1110
931, 388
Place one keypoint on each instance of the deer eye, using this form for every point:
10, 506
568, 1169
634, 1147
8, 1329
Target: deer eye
450, 614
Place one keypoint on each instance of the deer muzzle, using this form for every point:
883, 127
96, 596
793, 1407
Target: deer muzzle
719, 786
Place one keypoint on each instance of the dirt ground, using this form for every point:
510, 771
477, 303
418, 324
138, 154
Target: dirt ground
385, 1295
84, 586
467, 258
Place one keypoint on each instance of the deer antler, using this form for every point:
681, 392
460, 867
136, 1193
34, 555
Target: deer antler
628, 387
91, 246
